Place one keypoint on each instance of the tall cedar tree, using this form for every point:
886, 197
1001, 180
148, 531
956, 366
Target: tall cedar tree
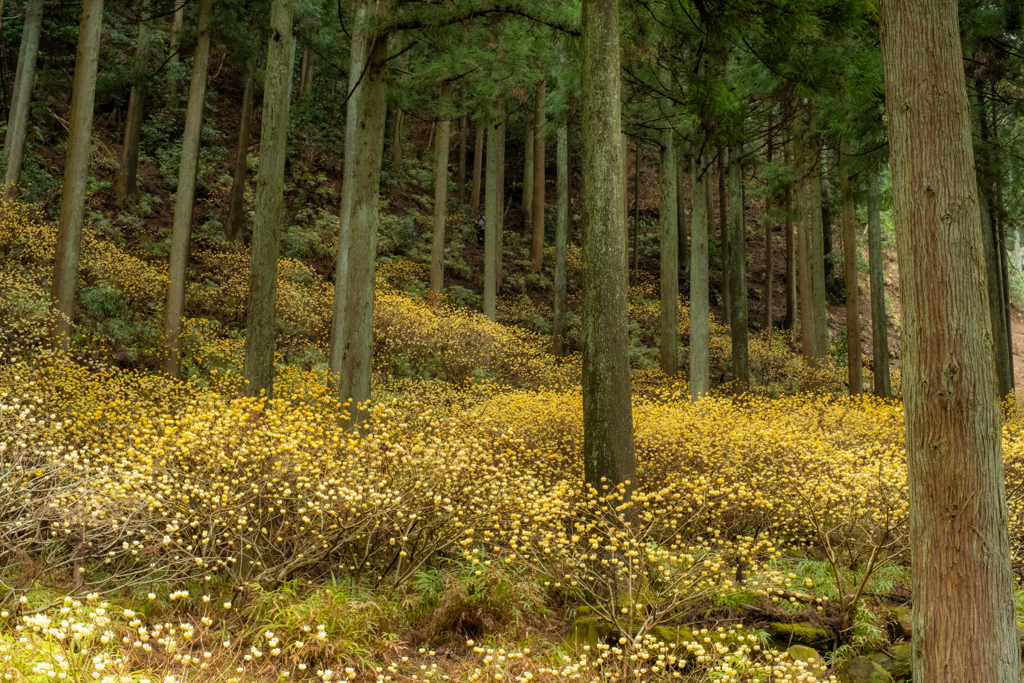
184, 198
444, 127
669, 229
964, 623
127, 185
561, 242
537, 246
261, 325
879, 319
738, 268
491, 208
608, 450
21, 98
854, 360
76, 173
236, 210
700, 198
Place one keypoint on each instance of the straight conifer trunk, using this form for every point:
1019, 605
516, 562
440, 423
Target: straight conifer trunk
561, 241
682, 166
964, 622
608, 450
790, 321
527, 208
816, 257
994, 282
491, 208
236, 212
184, 197
502, 206
261, 323
636, 211
357, 350
127, 189
738, 269
803, 217
396, 142
440, 199
669, 241
76, 173
855, 360
478, 163
700, 192
177, 23
463, 142
537, 250
769, 255
21, 98
723, 234
879, 318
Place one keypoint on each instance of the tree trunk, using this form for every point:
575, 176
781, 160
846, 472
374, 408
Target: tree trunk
669, 241
177, 23
994, 282
608, 451
527, 208
769, 254
478, 162
790, 321
502, 206
879, 318
396, 143
308, 66
127, 189
236, 213
723, 234
357, 350
76, 173
625, 187
636, 211
561, 241
21, 100
816, 256
356, 88
461, 199
700, 192
826, 229
491, 209
537, 250
1005, 275
184, 197
440, 198
855, 361
738, 269
803, 216
682, 164
964, 622
261, 323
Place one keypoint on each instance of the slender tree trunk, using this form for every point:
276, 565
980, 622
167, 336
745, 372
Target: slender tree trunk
537, 250
502, 206
21, 100
738, 269
127, 189
236, 212
261, 323
461, 199
1005, 275
440, 199
994, 281
478, 162
396, 143
356, 88
855, 361
803, 216
561, 241
308, 65
357, 351
76, 173
790, 321
826, 228
723, 234
964, 622
625, 188
184, 197
682, 164
636, 211
700, 192
491, 209
819, 327
608, 451
769, 255
879, 318
669, 241
177, 23
527, 208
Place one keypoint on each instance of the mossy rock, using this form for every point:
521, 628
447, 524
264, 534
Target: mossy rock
680, 635
896, 662
590, 631
802, 653
862, 670
903, 621
785, 635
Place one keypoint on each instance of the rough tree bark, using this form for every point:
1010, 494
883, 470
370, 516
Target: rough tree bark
816, 257
682, 166
463, 143
491, 209
879, 318
127, 190
855, 360
440, 198
723, 233
527, 207
561, 240
769, 255
608, 450
700, 192
236, 211
76, 172
738, 269
537, 247
478, 162
803, 217
177, 23
502, 206
21, 98
261, 322
669, 241
184, 197
790, 320
964, 622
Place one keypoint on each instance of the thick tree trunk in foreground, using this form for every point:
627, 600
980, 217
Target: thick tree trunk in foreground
965, 626
478, 162
855, 361
236, 212
608, 451
357, 350
127, 189
738, 269
491, 209
184, 197
21, 98
76, 173
261, 323
669, 223
700, 193
440, 199
561, 241
537, 250
879, 319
